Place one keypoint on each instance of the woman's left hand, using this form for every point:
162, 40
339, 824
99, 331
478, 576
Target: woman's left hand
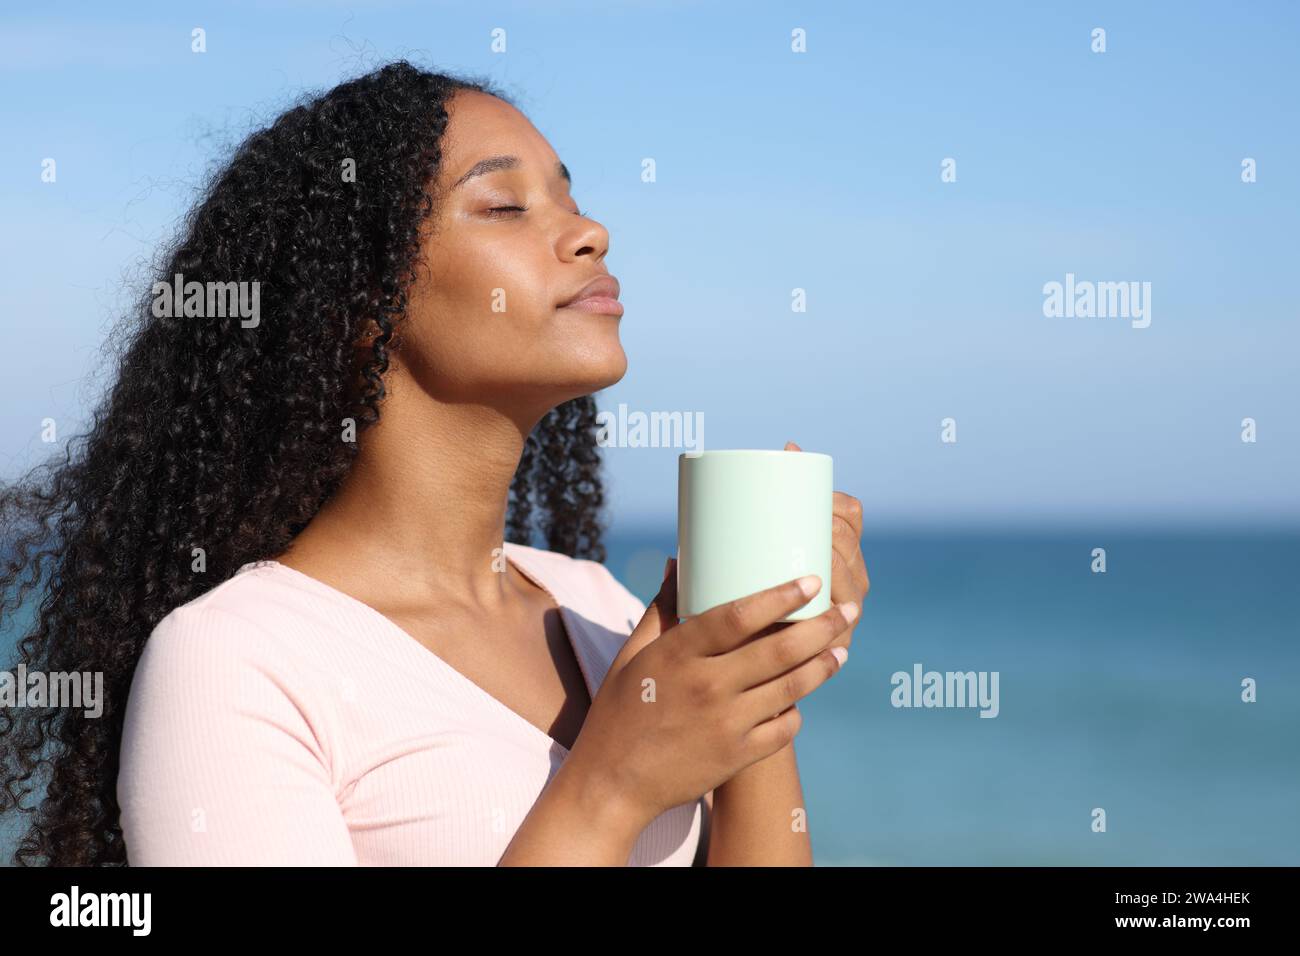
849, 581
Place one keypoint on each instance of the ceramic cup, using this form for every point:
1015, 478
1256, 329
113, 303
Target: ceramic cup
748, 520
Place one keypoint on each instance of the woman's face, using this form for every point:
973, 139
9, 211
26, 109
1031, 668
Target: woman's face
505, 248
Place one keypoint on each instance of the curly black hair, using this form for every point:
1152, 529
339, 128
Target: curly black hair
227, 438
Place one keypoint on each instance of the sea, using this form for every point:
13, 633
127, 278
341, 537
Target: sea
1148, 713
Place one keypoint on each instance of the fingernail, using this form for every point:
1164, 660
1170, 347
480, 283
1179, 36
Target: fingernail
809, 585
850, 611
841, 654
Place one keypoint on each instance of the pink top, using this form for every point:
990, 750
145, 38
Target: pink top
277, 720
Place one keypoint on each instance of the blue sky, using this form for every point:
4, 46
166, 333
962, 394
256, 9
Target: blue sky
776, 171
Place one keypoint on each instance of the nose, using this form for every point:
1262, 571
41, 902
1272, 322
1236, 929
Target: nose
586, 237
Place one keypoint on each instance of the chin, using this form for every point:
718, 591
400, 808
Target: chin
595, 369
610, 372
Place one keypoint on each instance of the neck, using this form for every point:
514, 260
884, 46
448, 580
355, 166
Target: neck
423, 510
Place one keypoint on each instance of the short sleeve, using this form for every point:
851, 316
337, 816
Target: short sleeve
632, 607
221, 764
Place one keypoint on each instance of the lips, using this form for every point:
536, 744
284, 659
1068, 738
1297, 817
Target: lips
598, 295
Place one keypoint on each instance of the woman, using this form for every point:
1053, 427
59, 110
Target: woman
296, 540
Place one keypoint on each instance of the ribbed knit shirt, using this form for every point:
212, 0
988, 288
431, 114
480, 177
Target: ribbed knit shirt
275, 720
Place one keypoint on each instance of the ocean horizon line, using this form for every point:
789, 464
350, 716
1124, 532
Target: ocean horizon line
1021, 528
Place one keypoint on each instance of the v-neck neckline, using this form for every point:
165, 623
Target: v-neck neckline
566, 625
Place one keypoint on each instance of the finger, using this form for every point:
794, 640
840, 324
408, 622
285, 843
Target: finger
841, 578
771, 735
858, 568
761, 665
845, 638
846, 554
660, 615
858, 571
848, 508
791, 446
848, 583
844, 551
842, 532
727, 626
783, 692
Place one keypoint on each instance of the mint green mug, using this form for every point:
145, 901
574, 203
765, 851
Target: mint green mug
749, 519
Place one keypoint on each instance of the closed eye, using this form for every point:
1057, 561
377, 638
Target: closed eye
504, 209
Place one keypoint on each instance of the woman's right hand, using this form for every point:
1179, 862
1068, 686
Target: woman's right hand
686, 706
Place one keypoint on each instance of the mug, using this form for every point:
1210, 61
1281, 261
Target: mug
749, 519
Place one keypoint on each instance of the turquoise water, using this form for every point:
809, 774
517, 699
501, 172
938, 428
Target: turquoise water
1119, 690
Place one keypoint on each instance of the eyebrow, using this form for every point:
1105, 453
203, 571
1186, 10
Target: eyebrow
497, 163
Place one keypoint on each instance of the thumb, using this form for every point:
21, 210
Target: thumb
791, 446
660, 615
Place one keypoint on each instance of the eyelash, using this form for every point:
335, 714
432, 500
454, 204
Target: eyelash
580, 212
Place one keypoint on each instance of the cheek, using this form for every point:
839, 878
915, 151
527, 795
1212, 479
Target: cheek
473, 301
480, 275
501, 276
474, 335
